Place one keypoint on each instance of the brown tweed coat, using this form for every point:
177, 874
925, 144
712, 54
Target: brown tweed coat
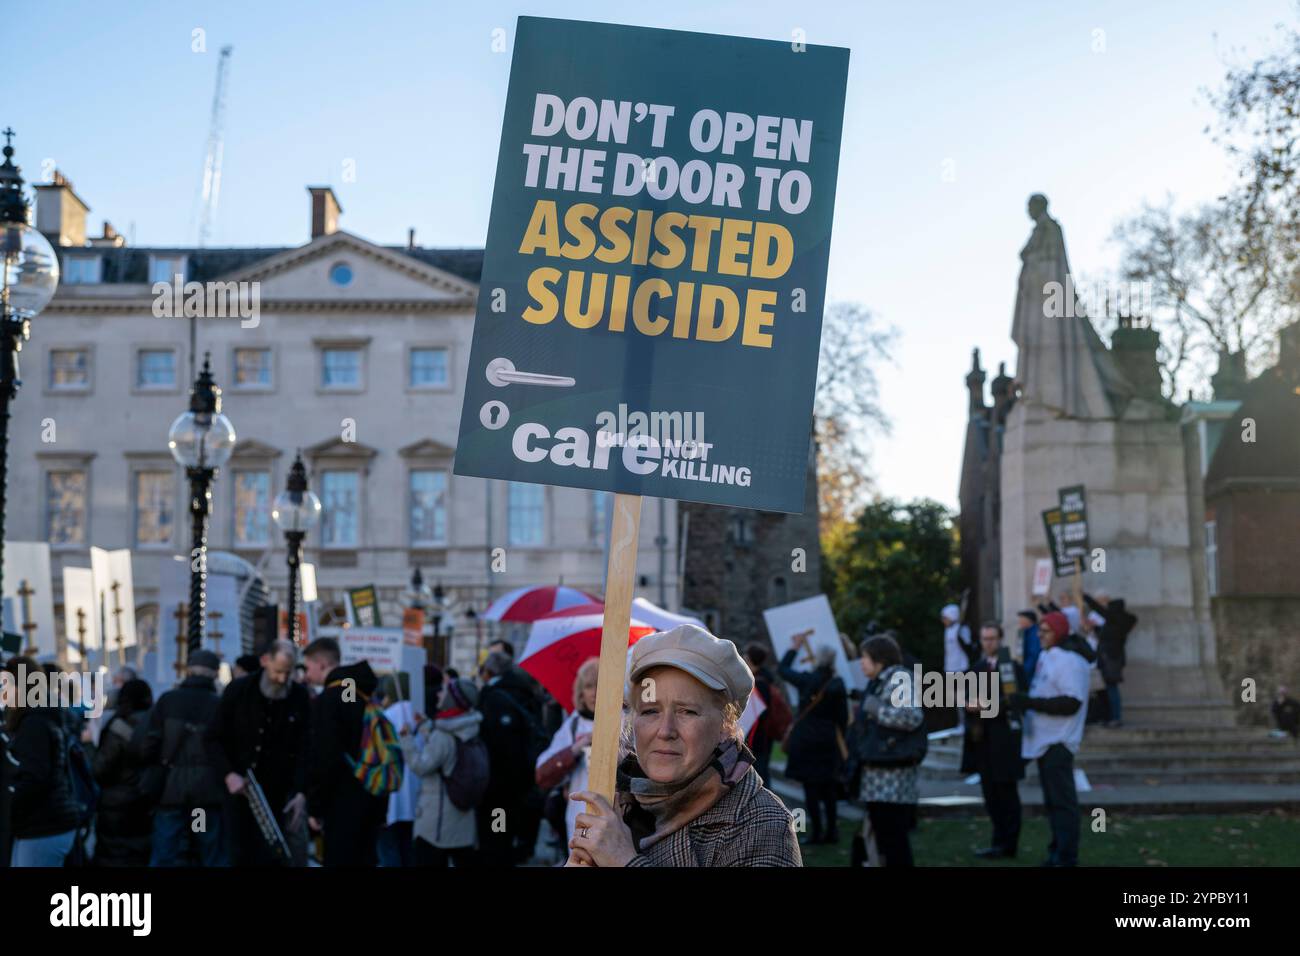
749, 826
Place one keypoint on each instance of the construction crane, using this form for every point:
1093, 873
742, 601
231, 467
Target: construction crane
211, 192
212, 159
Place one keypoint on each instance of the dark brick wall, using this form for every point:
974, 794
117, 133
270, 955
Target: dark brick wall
1258, 534
1259, 638
738, 562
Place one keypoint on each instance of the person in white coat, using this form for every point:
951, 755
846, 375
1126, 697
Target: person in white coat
395, 838
443, 832
562, 766
958, 645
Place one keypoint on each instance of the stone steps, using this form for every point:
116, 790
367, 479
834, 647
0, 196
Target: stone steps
1181, 713
1152, 755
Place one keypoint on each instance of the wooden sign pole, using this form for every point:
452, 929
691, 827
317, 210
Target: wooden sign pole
620, 577
1078, 589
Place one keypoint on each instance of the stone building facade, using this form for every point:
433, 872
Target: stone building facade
357, 358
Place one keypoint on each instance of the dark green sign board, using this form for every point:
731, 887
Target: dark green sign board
1053, 528
1074, 522
649, 314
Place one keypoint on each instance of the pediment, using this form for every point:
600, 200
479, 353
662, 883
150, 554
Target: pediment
336, 448
427, 448
377, 274
252, 448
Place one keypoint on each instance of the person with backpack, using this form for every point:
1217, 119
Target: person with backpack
451, 762
815, 747
775, 720
46, 815
355, 758
124, 818
513, 740
562, 767
263, 725
180, 739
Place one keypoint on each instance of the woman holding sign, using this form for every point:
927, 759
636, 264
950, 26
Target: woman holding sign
687, 791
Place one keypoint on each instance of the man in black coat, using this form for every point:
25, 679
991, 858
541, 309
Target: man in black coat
263, 726
339, 807
991, 747
510, 731
1118, 624
546, 717
180, 735
813, 748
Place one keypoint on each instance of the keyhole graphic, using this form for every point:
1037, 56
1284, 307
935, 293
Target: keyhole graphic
494, 414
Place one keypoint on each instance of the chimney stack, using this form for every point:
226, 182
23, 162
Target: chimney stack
410, 239
325, 211
1134, 345
60, 213
110, 238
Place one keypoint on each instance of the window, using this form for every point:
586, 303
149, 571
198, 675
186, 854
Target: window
252, 368
524, 513
339, 506
341, 274
599, 515
742, 531
428, 368
166, 268
80, 270
155, 368
340, 368
155, 507
1212, 557
65, 507
252, 508
428, 507
69, 369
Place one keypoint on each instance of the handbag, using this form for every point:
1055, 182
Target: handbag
881, 746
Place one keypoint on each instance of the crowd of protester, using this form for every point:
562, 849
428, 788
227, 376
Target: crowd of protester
302, 760
353, 773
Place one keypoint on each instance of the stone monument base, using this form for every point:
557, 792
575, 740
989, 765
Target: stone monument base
1132, 469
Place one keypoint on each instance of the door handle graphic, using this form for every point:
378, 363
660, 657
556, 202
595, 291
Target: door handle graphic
501, 371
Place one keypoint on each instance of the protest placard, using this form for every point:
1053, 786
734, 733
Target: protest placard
649, 316
812, 617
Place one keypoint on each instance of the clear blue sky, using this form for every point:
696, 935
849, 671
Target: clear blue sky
1013, 94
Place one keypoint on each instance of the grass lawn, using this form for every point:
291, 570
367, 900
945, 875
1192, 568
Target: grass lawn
1261, 839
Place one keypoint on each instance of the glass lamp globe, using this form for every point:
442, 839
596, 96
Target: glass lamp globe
295, 510
201, 439
31, 269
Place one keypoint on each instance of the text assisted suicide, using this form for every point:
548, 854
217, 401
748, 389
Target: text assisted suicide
618, 235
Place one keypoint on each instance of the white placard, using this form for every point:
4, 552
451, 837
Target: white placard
119, 629
173, 591
1042, 577
811, 614
307, 583
103, 577
79, 595
381, 646
29, 561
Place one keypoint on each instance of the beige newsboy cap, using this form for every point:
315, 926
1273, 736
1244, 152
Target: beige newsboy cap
712, 661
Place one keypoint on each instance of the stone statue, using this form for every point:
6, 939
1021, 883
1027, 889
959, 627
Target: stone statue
1063, 363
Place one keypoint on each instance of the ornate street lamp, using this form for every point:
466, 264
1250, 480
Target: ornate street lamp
295, 512
201, 440
27, 284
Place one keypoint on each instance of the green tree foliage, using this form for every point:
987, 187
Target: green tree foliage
895, 569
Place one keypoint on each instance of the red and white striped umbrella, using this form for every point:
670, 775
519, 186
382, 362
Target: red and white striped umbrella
561, 641
528, 604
